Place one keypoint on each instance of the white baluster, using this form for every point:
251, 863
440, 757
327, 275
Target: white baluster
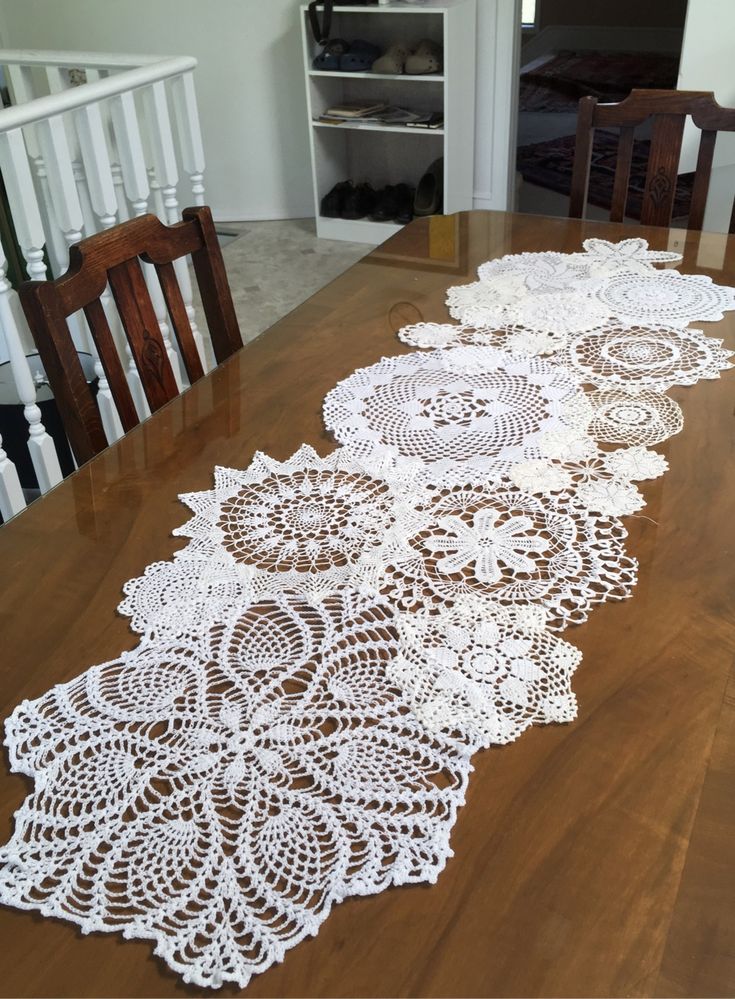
135, 179
69, 215
12, 500
123, 211
125, 122
29, 230
20, 80
166, 177
103, 203
189, 133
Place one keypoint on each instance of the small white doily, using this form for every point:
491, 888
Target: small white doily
665, 298
638, 357
622, 417
472, 410
628, 256
484, 676
219, 795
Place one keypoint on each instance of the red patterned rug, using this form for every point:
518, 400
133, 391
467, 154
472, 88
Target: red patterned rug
549, 165
558, 84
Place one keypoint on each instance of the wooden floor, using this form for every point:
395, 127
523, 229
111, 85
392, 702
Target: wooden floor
591, 859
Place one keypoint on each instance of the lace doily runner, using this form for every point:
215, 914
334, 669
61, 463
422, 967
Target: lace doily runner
339, 635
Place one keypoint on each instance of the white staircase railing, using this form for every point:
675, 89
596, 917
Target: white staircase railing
90, 140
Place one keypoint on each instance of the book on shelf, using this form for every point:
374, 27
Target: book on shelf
354, 109
383, 115
434, 119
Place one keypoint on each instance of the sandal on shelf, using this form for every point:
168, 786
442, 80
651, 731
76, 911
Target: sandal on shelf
393, 61
430, 190
428, 58
328, 59
359, 58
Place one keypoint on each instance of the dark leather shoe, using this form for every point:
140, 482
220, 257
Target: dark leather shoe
358, 202
430, 192
386, 205
333, 202
404, 212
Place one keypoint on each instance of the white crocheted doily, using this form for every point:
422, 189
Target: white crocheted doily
473, 410
218, 795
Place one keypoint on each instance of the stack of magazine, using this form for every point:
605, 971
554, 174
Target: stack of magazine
377, 113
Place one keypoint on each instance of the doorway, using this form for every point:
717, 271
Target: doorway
571, 48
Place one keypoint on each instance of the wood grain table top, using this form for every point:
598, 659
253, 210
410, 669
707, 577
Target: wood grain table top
591, 859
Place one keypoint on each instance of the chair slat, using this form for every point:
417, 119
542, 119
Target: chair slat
663, 166
73, 396
622, 174
214, 288
582, 157
702, 178
180, 321
141, 328
110, 359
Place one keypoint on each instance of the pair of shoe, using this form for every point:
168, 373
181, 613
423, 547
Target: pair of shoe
345, 57
427, 57
349, 201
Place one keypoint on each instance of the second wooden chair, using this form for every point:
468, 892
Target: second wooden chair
668, 110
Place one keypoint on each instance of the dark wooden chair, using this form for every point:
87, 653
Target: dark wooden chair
669, 110
112, 256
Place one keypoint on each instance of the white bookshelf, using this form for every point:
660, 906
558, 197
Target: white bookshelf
398, 154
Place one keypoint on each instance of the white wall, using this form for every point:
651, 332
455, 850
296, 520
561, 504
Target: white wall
706, 63
250, 86
249, 83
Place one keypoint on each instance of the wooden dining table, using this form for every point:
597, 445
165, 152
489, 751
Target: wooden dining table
595, 858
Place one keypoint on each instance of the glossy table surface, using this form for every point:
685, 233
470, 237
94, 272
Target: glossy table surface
592, 859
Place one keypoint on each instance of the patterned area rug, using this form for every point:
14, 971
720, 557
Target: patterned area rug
610, 76
549, 165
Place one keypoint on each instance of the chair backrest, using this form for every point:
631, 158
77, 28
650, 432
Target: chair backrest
669, 110
112, 257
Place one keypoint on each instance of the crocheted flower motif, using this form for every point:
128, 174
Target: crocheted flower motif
539, 476
666, 298
433, 335
628, 256
485, 304
558, 314
641, 357
219, 795
636, 463
486, 541
640, 418
513, 338
542, 273
484, 545
601, 481
509, 302
468, 410
484, 677
304, 525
